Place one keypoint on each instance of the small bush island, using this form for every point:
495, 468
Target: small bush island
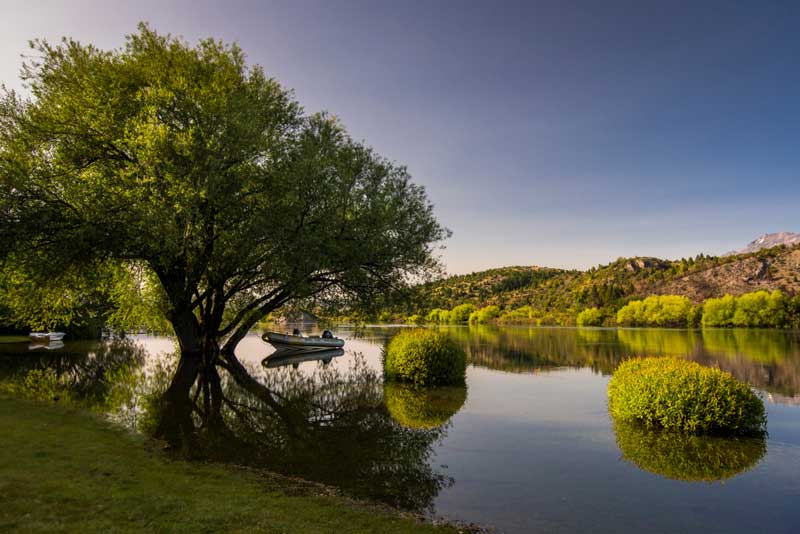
590, 317
425, 358
675, 394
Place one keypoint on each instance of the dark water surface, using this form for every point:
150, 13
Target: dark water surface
527, 446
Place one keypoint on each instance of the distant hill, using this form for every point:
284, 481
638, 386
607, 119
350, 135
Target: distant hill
611, 286
768, 241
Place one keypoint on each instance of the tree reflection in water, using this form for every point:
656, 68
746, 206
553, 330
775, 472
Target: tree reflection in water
332, 426
686, 457
102, 376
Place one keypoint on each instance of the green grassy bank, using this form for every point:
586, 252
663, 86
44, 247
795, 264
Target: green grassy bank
65, 470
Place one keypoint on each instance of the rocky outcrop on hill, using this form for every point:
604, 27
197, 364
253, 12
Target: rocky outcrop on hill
768, 241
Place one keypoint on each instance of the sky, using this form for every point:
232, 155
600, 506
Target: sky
562, 133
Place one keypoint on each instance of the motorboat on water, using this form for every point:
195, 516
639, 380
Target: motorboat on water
294, 358
46, 336
299, 343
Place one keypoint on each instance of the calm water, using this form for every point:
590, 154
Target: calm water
527, 446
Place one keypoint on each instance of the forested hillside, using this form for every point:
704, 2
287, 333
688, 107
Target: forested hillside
611, 286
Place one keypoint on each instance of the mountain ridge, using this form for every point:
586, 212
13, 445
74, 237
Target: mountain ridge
612, 285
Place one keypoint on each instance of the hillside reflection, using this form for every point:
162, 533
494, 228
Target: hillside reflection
767, 359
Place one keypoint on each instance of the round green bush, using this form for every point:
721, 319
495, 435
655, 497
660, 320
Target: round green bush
688, 457
423, 408
676, 394
425, 358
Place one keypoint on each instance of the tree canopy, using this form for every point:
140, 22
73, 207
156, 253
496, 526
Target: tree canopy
186, 161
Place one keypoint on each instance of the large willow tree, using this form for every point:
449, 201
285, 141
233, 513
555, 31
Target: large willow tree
187, 161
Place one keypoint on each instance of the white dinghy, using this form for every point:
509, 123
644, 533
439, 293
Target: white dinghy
294, 342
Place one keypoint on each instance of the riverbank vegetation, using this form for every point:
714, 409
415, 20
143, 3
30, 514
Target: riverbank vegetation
556, 297
678, 395
758, 309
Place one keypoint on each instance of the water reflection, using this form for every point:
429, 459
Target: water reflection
426, 408
767, 359
334, 426
93, 374
686, 457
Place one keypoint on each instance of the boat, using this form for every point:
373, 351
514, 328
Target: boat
47, 336
297, 343
294, 358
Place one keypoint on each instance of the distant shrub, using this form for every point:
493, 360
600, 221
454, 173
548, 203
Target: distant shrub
423, 408
461, 313
484, 315
657, 310
688, 457
590, 317
425, 358
719, 311
676, 394
759, 309
438, 315
415, 319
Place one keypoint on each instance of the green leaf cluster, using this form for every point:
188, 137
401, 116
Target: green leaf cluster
590, 317
657, 310
484, 315
425, 358
675, 394
759, 309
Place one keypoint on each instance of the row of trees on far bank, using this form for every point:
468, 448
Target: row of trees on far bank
759, 309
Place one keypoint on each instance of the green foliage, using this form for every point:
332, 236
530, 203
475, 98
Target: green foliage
675, 394
461, 313
688, 457
719, 311
759, 309
425, 358
415, 319
484, 315
590, 317
188, 161
423, 408
657, 310
438, 315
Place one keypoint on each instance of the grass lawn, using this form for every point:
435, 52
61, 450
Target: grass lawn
66, 470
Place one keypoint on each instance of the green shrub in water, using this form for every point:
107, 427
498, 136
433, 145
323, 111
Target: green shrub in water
425, 358
688, 457
423, 408
675, 394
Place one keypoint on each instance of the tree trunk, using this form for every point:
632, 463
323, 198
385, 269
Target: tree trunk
176, 424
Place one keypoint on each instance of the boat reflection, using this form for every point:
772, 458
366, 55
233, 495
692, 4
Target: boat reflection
294, 358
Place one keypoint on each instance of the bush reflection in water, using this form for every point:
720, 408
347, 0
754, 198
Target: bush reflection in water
688, 457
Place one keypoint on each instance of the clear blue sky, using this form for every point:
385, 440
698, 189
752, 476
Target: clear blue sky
551, 133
